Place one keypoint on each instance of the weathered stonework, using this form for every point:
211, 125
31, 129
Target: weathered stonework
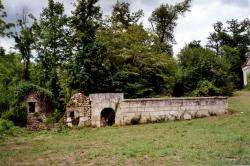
78, 111
38, 109
103, 107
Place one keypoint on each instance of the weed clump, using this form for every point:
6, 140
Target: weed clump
135, 120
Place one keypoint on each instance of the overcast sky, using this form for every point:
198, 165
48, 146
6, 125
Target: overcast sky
195, 25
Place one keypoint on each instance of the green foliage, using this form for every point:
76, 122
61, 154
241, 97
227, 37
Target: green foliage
121, 14
4, 27
163, 20
203, 69
10, 75
206, 88
24, 40
85, 21
54, 117
88, 70
24, 88
53, 48
17, 111
17, 114
137, 68
232, 43
5, 127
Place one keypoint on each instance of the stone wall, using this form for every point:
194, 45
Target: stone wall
101, 101
37, 120
158, 109
154, 110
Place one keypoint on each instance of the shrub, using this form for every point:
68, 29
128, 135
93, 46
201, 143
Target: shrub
16, 114
206, 88
54, 117
61, 128
5, 127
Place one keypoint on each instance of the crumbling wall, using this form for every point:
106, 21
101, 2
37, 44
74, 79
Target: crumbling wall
154, 110
78, 111
37, 120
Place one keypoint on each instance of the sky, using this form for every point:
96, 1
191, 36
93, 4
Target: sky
194, 25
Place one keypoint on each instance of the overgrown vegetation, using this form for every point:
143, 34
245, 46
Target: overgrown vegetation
59, 55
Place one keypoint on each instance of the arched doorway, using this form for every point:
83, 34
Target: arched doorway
107, 117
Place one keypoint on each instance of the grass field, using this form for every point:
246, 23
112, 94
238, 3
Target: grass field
223, 140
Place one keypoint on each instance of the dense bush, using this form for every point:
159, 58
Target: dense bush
206, 88
16, 114
54, 117
10, 75
202, 73
5, 127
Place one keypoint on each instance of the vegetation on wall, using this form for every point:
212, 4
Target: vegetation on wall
17, 108
59, 55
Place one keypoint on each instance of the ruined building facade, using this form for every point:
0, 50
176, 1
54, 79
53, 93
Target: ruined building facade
38, 110
78, 111
100, 110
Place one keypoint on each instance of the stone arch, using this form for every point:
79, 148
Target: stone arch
107, 117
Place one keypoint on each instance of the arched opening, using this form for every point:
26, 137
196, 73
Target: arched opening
107, 117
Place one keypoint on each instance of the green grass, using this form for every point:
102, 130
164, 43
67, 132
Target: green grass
222, 140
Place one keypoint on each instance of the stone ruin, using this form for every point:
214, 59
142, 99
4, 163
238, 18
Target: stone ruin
38, 110
99, 110
78, 111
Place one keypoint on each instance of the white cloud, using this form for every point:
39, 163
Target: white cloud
197, 24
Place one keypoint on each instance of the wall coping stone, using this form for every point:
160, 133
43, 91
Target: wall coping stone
175, 98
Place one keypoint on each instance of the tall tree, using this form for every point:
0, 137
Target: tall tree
216, 39
137, 67
163, 21
53, 46
88, 70
231, 42
52, 42
85, 22
24, 39
121, 14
